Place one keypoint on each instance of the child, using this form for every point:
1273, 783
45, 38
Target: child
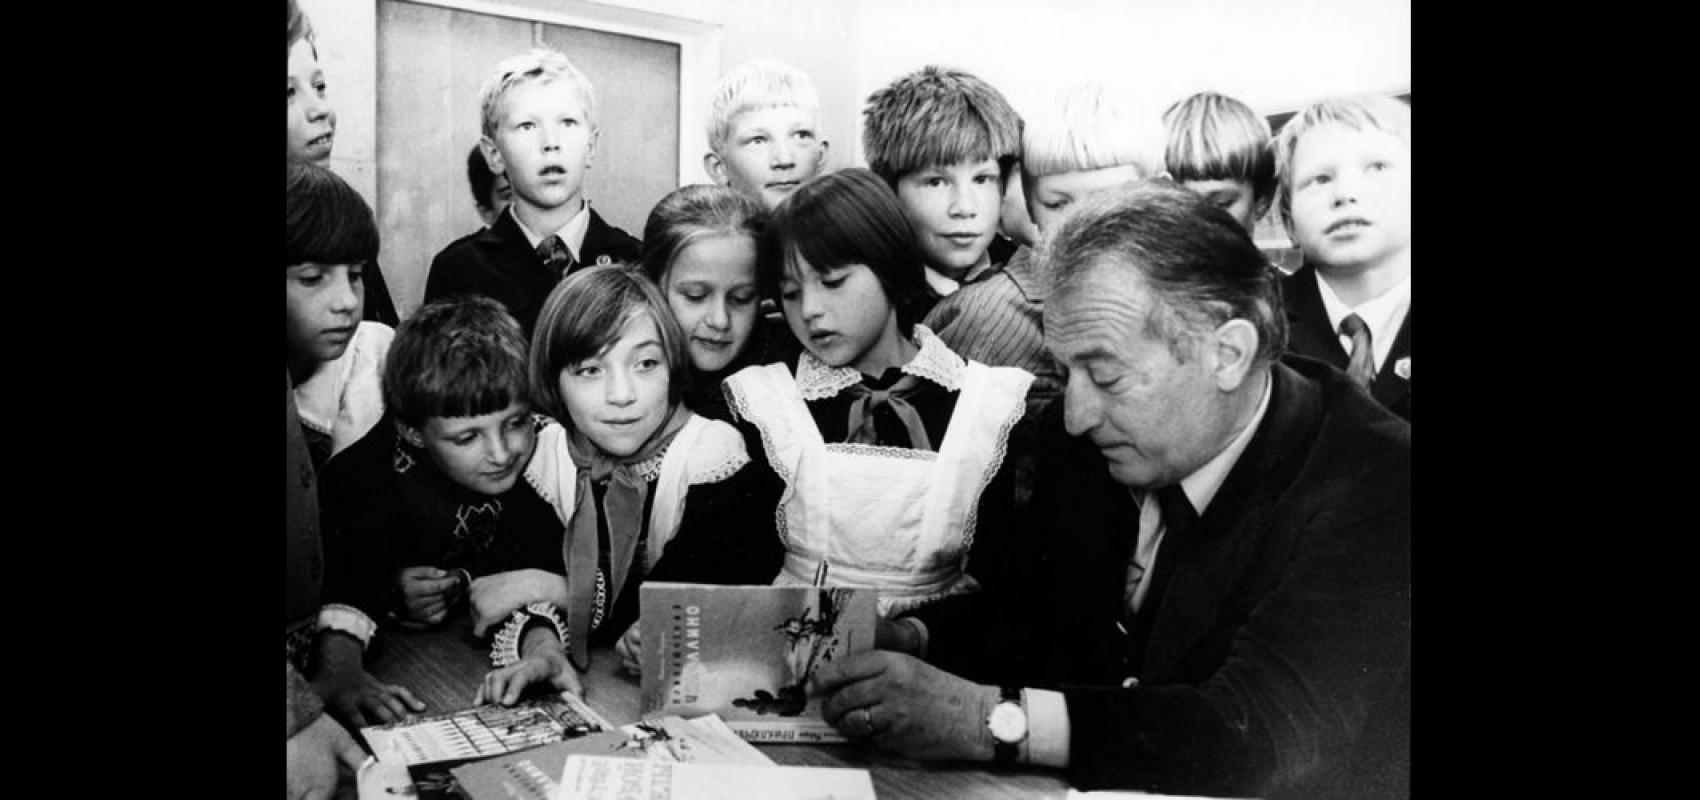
1345, 197
432, 499
335, 359
1082, 140
647, 489
540, 131
491, 193
1219, 148
699, 246
885, 449
945, 141
312, 130
763, 131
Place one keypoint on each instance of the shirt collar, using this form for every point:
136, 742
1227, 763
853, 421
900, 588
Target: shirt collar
1201, 486
933, 360
1383, 315
947, 286
572, 233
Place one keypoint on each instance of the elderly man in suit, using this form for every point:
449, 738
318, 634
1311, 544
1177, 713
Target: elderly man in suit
1212, 594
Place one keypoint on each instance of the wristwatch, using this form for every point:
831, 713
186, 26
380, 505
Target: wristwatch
1008, 725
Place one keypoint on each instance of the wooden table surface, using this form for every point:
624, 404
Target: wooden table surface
443, 667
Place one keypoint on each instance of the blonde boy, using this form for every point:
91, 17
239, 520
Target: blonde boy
1219, 148
946, 142
764, 131
540, 132
1345, 197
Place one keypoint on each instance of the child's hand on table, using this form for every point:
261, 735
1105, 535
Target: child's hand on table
505, 685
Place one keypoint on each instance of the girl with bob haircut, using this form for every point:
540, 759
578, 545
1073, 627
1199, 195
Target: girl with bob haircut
884, 451
699, 247
336, 360
646, 489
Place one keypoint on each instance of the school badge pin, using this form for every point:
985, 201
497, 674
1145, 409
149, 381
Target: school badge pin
1402, 368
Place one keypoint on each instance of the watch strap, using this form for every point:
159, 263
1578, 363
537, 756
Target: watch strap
1006, 752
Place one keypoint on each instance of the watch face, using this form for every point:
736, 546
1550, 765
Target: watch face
1008, 722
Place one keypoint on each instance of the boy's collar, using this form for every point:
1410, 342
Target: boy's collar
572, 232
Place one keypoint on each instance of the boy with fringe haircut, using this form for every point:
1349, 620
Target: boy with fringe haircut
1345, 197
434, 497
946, 142
540, 131
1219, 148
764, 131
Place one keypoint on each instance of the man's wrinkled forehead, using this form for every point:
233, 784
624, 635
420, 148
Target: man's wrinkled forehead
1103, 300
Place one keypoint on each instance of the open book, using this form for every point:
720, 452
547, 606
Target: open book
486, 730
534, 774
746, 653
603, 778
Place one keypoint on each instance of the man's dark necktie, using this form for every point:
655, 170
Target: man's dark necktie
554, 254
1361, 367
1178, 520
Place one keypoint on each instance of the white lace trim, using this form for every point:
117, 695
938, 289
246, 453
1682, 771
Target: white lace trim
741, 410
993, 464
650, 468
882, 451
721, 471
817, 381
934, 361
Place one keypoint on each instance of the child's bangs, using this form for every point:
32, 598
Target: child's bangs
476, 393
1229, 153
327, 222
952, 145
597, 326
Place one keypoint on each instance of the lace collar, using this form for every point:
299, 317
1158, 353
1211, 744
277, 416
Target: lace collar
934, 361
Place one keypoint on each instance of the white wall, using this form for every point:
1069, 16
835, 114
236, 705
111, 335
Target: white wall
1275, 55
346, 32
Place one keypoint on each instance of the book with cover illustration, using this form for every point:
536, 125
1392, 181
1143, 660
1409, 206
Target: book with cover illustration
746, 653
533, 774
417, 753
603, 778
486, 730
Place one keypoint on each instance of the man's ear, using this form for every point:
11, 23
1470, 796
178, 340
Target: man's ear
716, 168
1234, 350
409, 434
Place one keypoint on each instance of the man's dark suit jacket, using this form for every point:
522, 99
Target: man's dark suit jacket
1277, 663
1309, 334
498, 262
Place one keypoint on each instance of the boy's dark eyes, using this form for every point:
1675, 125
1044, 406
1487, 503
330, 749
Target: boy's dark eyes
1056, 206
743, 298
804, 134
